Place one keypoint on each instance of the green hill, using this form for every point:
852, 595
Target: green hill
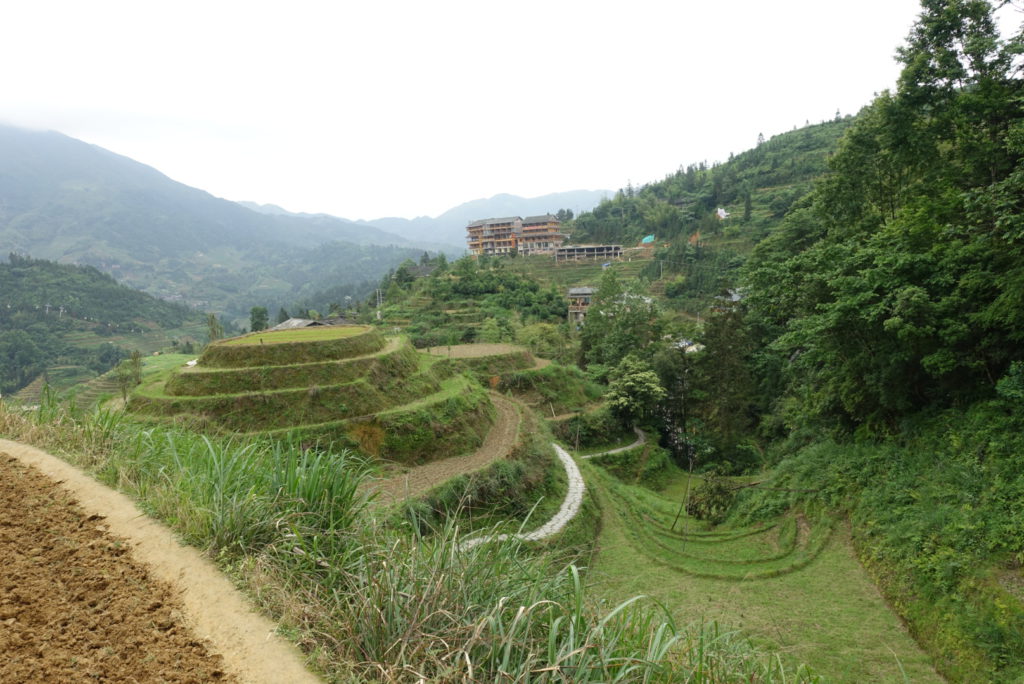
345, 385
74, 322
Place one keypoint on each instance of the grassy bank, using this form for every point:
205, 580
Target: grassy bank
936, 517
807, 599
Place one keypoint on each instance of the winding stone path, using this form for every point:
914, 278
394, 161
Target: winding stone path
571, 504
570, 507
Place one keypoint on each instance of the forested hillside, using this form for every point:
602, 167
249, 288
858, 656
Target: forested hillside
697, 252
885, 317
56, 313
872, 354
757, 186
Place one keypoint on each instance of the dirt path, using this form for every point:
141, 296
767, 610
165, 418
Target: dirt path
421, 479
99, 592
641, 439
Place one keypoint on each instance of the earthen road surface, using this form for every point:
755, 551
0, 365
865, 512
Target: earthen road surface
500, 440
93, 590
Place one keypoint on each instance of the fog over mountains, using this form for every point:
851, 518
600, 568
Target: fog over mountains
447, 232
66, 200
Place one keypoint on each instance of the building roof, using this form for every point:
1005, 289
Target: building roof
493, 221
296, 323
546, 218
581, 291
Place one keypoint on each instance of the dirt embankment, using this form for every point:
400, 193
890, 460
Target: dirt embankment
93, 590
500, 440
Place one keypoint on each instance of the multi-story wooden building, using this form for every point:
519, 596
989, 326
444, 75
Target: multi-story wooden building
579, 302
540, 235
502, 236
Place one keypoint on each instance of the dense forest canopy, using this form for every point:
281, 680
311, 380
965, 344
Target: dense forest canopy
900, 283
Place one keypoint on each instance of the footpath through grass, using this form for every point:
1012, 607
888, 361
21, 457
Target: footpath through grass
820, 608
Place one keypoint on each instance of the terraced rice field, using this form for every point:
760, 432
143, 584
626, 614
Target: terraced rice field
313, 334
794, 584
345, 385
659, 530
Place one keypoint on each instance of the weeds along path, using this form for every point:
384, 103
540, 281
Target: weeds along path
500, 440
98, 590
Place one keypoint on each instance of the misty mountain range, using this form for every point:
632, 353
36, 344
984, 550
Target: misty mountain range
448, 231
66, 200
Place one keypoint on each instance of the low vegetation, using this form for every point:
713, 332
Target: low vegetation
293, 527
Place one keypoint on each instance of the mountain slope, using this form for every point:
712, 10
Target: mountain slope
374, 235
66, 200
77, 318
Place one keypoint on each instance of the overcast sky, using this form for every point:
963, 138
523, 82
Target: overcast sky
379, 108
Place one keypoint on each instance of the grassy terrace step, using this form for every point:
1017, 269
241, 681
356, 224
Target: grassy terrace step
486, 360
96, 388
264, 410
457, 417
396, 359
30, 394
735, 555
288, 347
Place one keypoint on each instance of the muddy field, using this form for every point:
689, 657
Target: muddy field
74, 607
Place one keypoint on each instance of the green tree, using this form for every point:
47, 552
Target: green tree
258, 319
620, 320
490, 331
125, 378
898, 286
20, 360
135, 362
679, 374
726, 382
214, 329
282, 315
544, 339
633, 391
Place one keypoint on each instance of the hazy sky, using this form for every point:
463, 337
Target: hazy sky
380, 108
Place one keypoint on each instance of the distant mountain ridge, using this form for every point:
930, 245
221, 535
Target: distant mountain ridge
421, 241
450, 227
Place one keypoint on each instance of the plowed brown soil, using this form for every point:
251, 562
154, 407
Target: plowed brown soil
100, 592
74, 606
